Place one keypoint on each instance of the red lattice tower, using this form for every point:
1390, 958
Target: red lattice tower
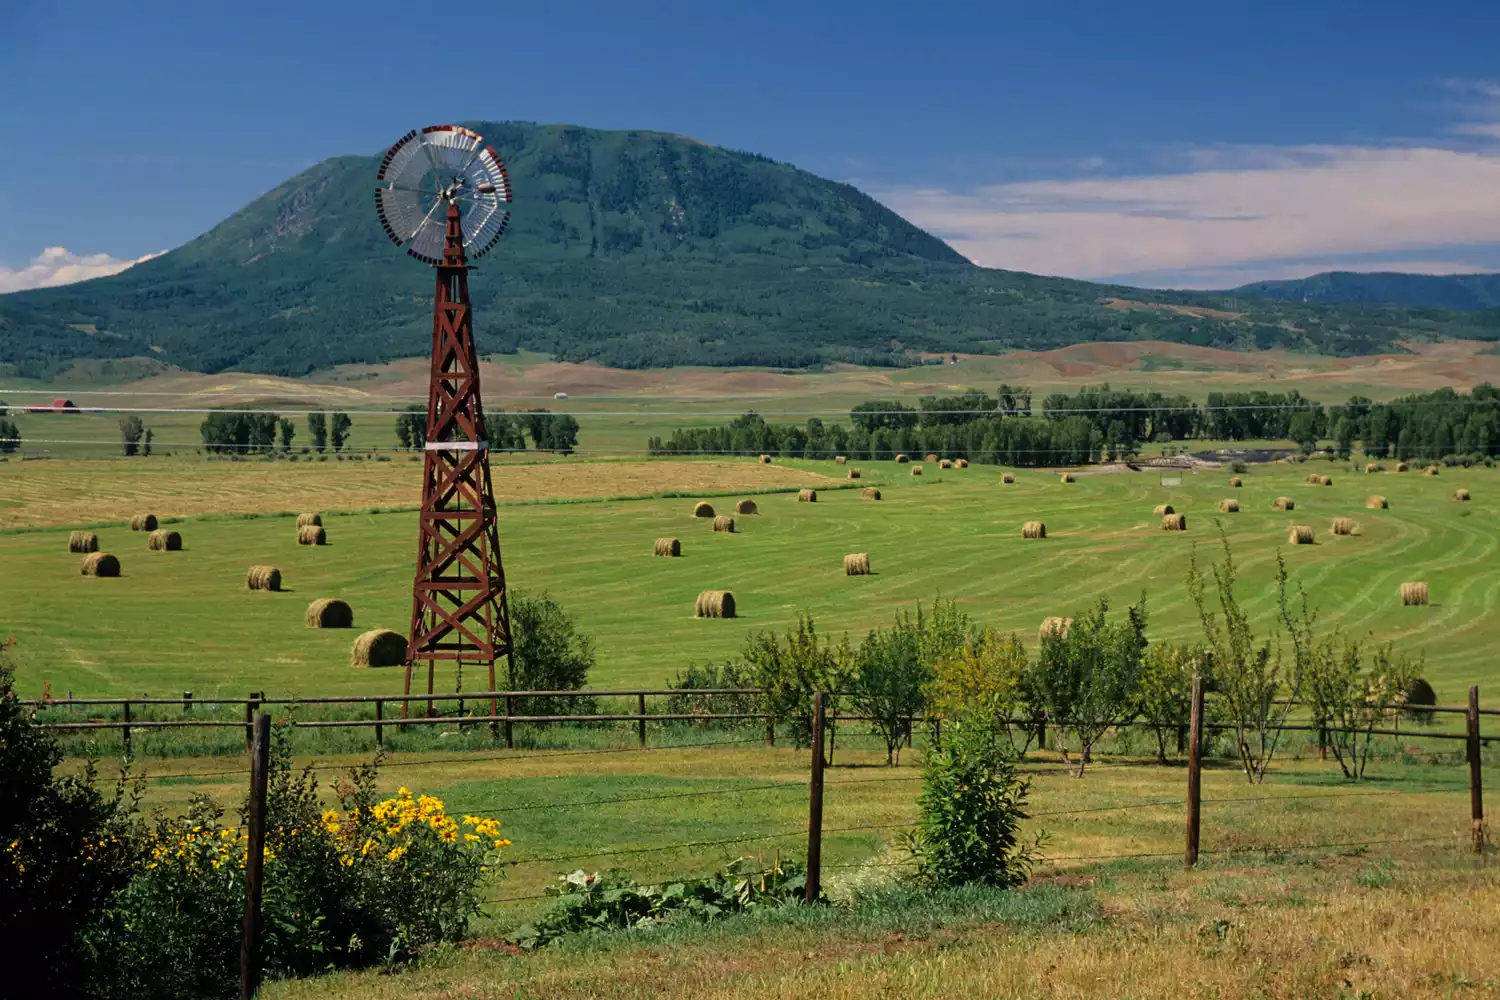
442, 195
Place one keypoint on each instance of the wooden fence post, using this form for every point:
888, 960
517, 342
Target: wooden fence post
815, 806
1195, 772
510, 735
1476, 775
125, 729
640, 709
770, 730
379, 715
1041, 730
260, 759
187, 701
252, 705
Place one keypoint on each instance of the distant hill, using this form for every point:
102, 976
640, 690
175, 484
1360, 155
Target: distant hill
635, 249
1464, 292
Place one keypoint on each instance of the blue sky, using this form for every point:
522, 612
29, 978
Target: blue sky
1192, 144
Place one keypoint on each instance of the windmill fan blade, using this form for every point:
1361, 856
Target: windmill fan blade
425, 172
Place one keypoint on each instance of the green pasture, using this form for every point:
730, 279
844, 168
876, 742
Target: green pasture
185, 621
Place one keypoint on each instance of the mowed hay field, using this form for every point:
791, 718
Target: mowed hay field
185, 620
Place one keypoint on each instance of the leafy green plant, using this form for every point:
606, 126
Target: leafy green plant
613, 901
1351, 693
1164, 697
551, 654
985, 679
790, 669
893, 667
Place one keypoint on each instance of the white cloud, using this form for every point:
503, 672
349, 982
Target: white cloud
60, 266
1253, 211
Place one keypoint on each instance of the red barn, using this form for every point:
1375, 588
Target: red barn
59, 405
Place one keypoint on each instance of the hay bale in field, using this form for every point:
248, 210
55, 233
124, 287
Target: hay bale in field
916, 470
312, 534
1236, 482
765, 460
840, 459
714, 604
1229, 506
1033, 529
263, 578
1431, 470
330, 612
83, 541
303, 520
857, 564
1314, 479
1374, 467
1008, 478
1402, 467
960, 463
1414, 593
378, 648
667, 547
1325, 480
1163, 509
1174, 522
1344, 526
870, 493
1417, 696
1054, 626
1376, 502
1300, 534
164, 540
1461, 494
853, 473
746, 507
724, 524
902, 459
703, 509
931, 457
945, 464
100, 564
143, 522
807, 496
1066, 477
1284, 503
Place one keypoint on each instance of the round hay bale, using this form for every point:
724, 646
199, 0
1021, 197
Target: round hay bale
902, 459
870, 493
1054, 627
1314, 479
312, 534
1008, 478
100, 564
330, 612
263, 578
724, 524
1174, 522
667, 547
1402, 467
1376, 502
143, 522
853, 473
1461, 494
916, 470
931, 457
703, 509
714, 604
1236, 482
1299, 534
1325, 480
1033, 529
1431, 470
1418, 695
303, 520
164, 540
746, 507
1414, 593
945, 464
378, 648
960, 463
1374, 467
765, 460
83, 541
840, 459
1163, 509
1229, 506
857, 564
807, 496
1344, 526
1066, 477
1284, 503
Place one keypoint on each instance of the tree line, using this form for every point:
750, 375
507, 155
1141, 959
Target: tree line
556, 432
239, 432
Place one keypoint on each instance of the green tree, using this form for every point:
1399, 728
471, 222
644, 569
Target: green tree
1164, 700
317, 429
131, 432
888, 683
1303, 429
985, 679
10, 437
146, 443
551, 653
288, 430
1351, 692
338, 431
790, 669
411, 427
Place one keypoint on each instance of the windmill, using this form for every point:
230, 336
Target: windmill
444, 197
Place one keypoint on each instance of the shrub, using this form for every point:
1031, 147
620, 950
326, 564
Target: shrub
970, 810
790, 669
709, 676
984, 679
551, 654
1164, 699
1347, 694
1239, 468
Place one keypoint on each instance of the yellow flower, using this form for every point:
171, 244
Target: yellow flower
395, 853
470, 838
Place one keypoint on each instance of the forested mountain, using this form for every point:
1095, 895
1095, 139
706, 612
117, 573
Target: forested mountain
1464, 292
635, 249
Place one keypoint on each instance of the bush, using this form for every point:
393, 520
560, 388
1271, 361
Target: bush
709, 676
1239, 468
970, 811
984, 679
550, 655
789, 670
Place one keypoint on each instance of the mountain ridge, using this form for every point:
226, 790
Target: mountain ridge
1459, 292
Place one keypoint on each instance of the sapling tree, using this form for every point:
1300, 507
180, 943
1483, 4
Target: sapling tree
984, 677
1164, 698
1351, 690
